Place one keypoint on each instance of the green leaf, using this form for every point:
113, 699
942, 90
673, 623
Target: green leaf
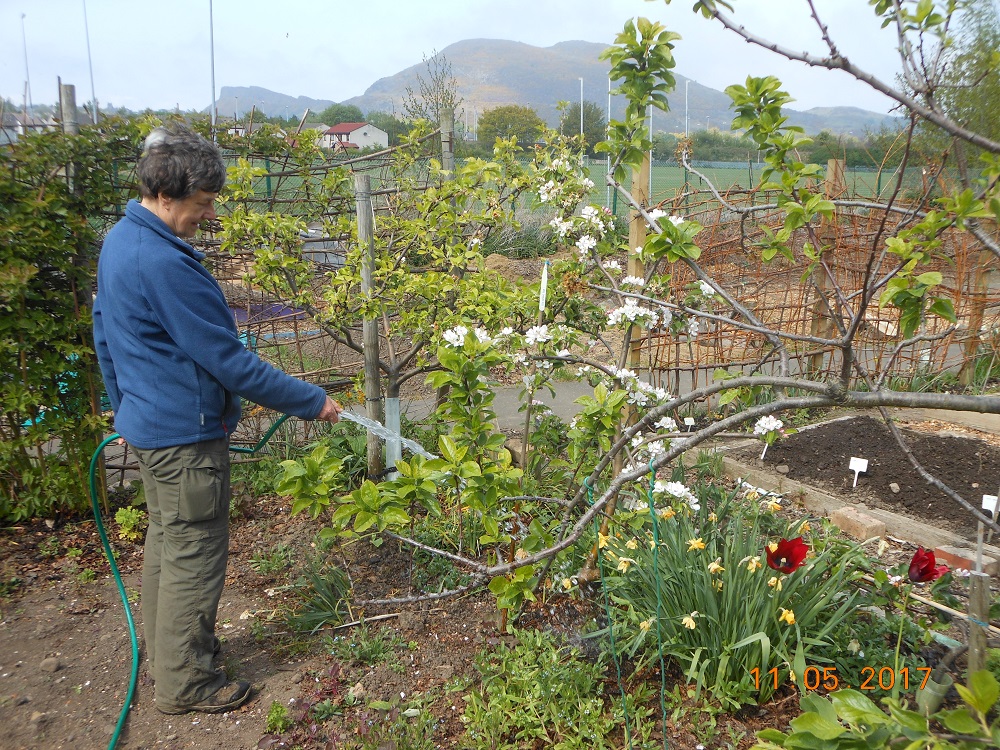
817, 726
856, 709
958, 720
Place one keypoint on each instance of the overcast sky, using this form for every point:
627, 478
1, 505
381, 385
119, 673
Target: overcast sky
158, 55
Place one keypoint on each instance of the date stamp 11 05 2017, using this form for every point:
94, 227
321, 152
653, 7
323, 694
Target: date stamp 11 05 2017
872, 678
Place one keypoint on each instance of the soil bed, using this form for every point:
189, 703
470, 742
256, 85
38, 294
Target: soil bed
820, 456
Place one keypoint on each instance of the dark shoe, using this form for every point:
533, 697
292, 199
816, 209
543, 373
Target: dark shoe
226, 698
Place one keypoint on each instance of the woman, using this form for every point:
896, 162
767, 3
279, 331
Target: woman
175, 369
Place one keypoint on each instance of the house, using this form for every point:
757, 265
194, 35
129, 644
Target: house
354, 135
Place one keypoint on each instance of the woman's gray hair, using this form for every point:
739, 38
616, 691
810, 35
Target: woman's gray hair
177, 162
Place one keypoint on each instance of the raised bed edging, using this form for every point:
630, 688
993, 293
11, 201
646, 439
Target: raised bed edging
823, 503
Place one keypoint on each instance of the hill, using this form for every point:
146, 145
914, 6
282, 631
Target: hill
493, 72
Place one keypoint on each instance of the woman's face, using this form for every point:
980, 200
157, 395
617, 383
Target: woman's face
184, 215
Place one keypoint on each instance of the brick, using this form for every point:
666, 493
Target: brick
857, 524
962, 557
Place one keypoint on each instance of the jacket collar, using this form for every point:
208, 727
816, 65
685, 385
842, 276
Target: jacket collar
141, 215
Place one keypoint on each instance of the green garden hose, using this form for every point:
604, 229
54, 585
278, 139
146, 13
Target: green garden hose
121, 588
109, 553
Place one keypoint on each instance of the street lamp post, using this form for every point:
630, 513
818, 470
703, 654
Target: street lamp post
27, 76
581, 106
211, 47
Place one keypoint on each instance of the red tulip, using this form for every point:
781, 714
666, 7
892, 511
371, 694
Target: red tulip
922, 566
788, 555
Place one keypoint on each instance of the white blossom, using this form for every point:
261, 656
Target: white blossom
564, 353
706, 289
611, 265
692, 327
456, 336
587, 183
676, 220
562, 227
656, 213
679, 491
667, 424
537, 335
483, 336
585, 244
632, 311
633, 281
767, 424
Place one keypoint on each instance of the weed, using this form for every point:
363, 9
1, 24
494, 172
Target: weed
381, 726
367, 646
9, 585
278, 559
131, 522
50, 547
278, 721
542, 694
74, 552
87, 575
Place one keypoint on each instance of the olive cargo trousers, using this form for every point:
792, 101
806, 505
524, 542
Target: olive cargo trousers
184, 566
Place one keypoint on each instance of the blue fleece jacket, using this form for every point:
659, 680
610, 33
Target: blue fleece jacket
173, 364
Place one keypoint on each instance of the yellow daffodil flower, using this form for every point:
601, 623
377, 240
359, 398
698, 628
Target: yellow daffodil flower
775, 583
632, 543
716, 566
712, 517
787, 615
773, 506
602, 540
694, 544
689, 622
567, 584
805, 528
667, 513
754, 564
625, 563
645, 625
717, 584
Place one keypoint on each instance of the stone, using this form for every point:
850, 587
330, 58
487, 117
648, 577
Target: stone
894, 487
357, 692
297, 678
857, 524
37, 717
516, 454
965, 558
51, 664
783, 469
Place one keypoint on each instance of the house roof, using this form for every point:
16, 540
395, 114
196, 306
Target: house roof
346, 127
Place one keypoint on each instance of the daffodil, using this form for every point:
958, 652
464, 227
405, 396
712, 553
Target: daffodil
775, 583
632, 543
645, 625
625, 563
602, 540
716, 566
774, 506
667, 513
567, 584
717, 584
694, 544
805, 528
787, 615
689, 622
712, 517
754, 564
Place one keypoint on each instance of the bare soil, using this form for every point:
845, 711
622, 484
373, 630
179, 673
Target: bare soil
966, 461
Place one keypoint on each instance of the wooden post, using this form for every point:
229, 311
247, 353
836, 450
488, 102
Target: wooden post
979, 610
636, 237
821, 325
970, 347
369, 326
448, 139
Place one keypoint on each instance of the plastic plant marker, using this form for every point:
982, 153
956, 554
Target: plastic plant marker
858, 465
544, 287
689, 423
990, 503
763, 452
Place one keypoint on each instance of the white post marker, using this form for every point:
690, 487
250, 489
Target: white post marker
990, 506
858, 466
689, 423
544, 288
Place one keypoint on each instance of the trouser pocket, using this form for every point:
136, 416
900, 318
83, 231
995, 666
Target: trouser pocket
201, 491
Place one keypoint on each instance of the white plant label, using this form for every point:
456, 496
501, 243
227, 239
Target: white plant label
990, 503
689, 422
544, 288
858, 466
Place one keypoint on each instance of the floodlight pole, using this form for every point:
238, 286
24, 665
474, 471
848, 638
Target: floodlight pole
581, 106
686, 84
27, 76
211, 48
90, 63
